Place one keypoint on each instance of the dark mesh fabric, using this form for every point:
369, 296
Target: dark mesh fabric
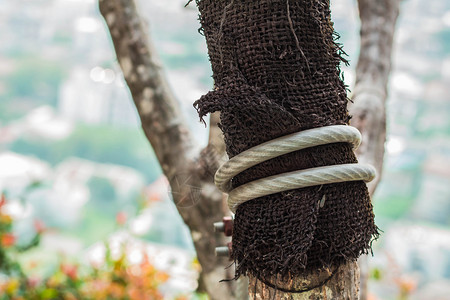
276, 69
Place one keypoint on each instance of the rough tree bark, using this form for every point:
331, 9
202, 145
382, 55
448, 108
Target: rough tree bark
189, 169
378, 19
189, 172
342, 285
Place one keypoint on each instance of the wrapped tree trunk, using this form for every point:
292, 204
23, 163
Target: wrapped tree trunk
276, 70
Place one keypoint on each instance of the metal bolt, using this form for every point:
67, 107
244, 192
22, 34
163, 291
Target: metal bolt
226, 226
224, 251
219, 227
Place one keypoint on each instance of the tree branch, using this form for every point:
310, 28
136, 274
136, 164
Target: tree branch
378, 19
190, 175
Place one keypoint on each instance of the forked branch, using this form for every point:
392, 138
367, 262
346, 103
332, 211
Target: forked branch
190, 174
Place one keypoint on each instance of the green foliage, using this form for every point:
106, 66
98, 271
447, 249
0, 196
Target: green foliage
104, 224
102, 192
8, 247
62, 38
35, 79
9, 112
443, 36
393, 208
115, 278
376, 274
200, 296
103, 144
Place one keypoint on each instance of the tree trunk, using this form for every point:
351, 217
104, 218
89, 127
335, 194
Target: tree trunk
378, 19
190, 174
343, 284
276, 69
189, 170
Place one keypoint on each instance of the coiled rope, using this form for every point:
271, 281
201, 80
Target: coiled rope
291, 180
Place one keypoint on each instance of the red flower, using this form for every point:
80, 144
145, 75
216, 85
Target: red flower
2, 200
33, 282
121, 218
154, 197
70, 271
39, 226
7, 240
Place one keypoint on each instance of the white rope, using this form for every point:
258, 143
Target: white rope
299, 179
283, 145
292, 180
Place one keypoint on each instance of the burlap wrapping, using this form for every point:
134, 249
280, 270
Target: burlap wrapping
276, 70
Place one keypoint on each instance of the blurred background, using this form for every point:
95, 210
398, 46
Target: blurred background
82, 188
